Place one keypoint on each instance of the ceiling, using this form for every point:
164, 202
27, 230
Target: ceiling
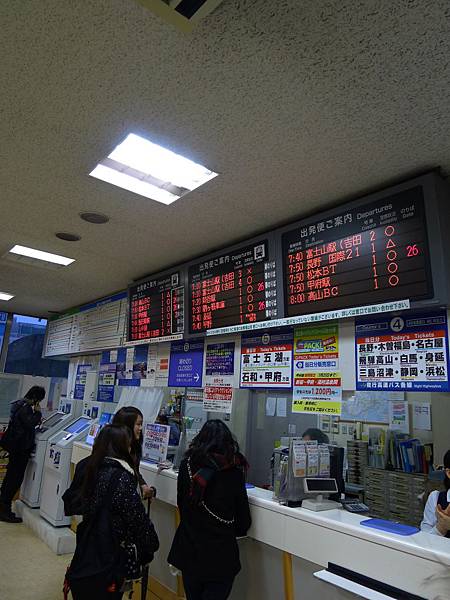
298, 104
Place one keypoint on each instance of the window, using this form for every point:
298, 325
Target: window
25, 344
3, 319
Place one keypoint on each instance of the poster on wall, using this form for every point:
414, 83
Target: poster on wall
266, 360
162, 365
80, 380
124, 367
186, 364
156, 442
317, 380
107, 376
407, 352
219, 377
140, 361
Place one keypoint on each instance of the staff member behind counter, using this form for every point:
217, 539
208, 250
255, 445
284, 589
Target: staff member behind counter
436, 516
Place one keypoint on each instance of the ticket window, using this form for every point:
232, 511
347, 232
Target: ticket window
269, 419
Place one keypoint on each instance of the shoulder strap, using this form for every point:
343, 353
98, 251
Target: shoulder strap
442, 500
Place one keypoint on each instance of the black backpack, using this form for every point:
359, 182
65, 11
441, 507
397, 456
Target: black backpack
98, 552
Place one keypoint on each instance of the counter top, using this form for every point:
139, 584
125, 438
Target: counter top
421, 544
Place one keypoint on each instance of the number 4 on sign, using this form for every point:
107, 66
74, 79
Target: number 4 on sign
397, 324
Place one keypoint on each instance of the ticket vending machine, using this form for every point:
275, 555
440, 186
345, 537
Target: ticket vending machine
31, 488
56, 477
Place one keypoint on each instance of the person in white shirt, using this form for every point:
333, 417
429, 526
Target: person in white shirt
436, 516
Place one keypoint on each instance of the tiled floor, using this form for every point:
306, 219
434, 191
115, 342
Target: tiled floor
29, 570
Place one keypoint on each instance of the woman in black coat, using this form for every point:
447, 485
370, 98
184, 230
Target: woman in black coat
19, 441
214, 511
105, 492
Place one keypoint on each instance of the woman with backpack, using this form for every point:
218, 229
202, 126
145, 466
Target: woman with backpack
18, 440
214, 511
131, 417
116, 537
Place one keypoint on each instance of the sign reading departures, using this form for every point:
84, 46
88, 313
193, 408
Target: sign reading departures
377, 252
156, 308
235, 288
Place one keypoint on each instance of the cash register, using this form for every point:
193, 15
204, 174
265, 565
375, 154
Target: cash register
31, 488
56, 478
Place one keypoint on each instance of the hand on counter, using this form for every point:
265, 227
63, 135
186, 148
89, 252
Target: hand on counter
443, 519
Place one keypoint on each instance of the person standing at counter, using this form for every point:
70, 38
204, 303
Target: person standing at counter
131, 417
214, 510
436, 516
18, 441
116, 537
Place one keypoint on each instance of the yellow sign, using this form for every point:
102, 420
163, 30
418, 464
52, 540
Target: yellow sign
323, 407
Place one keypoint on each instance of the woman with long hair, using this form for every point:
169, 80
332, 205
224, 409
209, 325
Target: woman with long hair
436, 516
214, 511
116, 537
132, 417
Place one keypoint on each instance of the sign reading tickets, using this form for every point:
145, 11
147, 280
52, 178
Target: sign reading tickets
156, 442
407, 352
266, 360
317, 382
186, 364
219, 377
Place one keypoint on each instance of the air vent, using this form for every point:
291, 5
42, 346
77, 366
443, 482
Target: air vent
68, 237
96, 218
27, 261
184, 14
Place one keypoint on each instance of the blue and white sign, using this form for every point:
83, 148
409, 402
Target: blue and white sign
186, 364
407, 352
107, 376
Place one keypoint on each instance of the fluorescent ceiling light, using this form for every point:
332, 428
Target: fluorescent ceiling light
5, 296
40, 255
145, 168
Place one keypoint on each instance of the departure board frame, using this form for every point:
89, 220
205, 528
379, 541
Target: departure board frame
244, 275
167, 289
436, 218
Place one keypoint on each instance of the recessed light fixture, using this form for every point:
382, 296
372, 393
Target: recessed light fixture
68, 237
40, 255
147, 169
95, 218
5, 296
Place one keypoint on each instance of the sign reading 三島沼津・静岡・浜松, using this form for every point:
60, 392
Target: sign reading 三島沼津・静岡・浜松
266, 359
317, 379
186, 364
374, 253
219, 377
407, 352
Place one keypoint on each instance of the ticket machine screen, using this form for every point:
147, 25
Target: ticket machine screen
78, 425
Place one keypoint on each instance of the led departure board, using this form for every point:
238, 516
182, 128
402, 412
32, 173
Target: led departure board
156, 308
376, 252
235, 288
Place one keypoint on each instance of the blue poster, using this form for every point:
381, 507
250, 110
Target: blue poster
403, 353
140, 362
80, 380
124, 367
220, 359
186, 364
107, 376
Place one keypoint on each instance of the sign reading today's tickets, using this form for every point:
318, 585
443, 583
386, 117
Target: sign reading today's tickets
317, 380
266, 360
156, 442
407, 352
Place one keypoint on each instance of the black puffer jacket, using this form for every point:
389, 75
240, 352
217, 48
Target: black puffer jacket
22, 427
130, 521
